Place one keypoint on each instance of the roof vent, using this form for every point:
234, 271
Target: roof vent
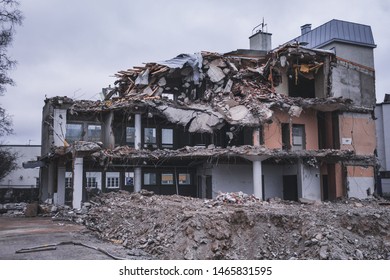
305, 28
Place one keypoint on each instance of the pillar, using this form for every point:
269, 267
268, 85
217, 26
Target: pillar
51, 182
60, 186
138, 131
77, 182
109, 139
137, 146
257, 179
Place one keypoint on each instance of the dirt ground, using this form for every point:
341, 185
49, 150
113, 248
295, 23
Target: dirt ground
233, 226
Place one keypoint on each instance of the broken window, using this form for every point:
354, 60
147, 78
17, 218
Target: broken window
129, 178
298, 137
150, 179
184, 178
167, 179
150, 139
167, 138
94, 133
112, 180
286, 144
130, 135
301, 84
74, 132
296, 140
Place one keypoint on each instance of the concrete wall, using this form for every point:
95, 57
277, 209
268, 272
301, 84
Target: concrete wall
20, 177
273, 131
273, 180
357, 132
232, 178
382, 113
47, 139
358, 54
360, 181
59, 126
309, 182
355, 83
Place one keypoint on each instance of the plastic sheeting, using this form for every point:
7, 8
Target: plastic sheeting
193, 60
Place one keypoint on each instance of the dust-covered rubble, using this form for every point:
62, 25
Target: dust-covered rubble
234, 227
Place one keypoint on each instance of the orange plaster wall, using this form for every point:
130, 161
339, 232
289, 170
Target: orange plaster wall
339, 180
273, 131
359, 171
361, 130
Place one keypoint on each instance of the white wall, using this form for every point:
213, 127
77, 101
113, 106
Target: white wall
59, 127
22, 178
358, 186
232, 178
273, 181
310, 185
382, 112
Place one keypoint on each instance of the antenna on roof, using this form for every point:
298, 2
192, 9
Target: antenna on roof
263, 26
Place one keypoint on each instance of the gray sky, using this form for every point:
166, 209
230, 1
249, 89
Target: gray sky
73, 47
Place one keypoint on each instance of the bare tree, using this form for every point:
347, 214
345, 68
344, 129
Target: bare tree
10, 16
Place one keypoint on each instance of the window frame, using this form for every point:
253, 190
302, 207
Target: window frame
88, 130
71, 140
116, 183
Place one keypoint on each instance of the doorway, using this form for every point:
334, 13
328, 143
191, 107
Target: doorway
290, 187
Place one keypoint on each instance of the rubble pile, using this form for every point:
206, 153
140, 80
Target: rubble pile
13, 209
236, 197
205, 91
235, 226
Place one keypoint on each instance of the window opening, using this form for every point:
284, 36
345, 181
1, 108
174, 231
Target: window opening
94, 132
150, 179
74, 132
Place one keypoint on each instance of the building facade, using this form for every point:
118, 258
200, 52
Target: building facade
21, 184
293, 122
382, 113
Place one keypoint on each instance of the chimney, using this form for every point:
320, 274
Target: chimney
305, 28
260, 41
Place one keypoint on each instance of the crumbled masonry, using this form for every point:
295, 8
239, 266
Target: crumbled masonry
239, 226
206, 91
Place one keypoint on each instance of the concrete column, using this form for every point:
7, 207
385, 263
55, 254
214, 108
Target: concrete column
138, 131
109, 139
61, 186
51, 181
257, 179
59, 127
137, 179
137, 146
77, 182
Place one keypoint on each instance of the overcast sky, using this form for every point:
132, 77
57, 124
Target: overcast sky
73, 47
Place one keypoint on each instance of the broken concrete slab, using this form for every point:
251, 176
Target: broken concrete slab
215, 74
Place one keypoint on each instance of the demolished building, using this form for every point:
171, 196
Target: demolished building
294, 122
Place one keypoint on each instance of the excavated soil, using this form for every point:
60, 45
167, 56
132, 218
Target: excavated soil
175, 227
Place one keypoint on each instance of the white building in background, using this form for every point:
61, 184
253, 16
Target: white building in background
22, 178
382, 113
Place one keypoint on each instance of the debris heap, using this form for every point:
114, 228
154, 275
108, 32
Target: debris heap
174, 227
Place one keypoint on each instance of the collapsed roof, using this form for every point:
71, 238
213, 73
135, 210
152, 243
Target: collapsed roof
205, 91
